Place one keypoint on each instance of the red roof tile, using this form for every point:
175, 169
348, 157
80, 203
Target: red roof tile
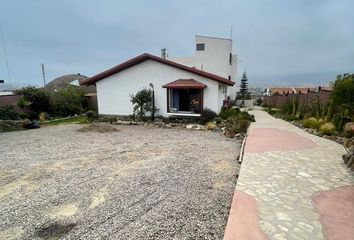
146, 56
185, 83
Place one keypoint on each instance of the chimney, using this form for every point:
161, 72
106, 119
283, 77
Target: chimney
163, 53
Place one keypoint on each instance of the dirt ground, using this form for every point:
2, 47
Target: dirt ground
135, 183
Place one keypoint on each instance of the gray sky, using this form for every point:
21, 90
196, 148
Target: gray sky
279, 42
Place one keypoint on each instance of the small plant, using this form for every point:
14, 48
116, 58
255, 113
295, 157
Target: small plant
227, 112
211, 125
143, 103
327, 129
91, 115
310, 123
207, 115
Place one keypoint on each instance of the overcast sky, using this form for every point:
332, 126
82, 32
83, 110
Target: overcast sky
279, 42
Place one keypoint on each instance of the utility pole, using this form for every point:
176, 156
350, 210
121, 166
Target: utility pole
43, 74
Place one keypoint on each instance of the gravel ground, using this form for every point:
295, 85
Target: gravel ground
137, 183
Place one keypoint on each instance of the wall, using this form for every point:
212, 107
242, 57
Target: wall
113, 92
214, 59
10, 100
244, 103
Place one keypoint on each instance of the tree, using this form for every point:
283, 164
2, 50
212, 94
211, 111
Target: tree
142, 102
67, 101
244, 93
341, 102
35, 98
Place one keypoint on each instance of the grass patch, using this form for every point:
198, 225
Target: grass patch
71, 120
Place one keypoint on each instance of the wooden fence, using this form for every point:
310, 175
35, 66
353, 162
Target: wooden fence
304, 99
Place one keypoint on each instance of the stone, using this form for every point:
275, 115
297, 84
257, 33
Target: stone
283, 216
346, 157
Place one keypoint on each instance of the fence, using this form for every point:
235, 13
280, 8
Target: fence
304, 99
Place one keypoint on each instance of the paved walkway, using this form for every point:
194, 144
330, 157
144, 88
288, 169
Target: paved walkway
285, 175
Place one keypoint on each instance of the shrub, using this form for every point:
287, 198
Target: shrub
237, 125
207, 115
310, 123
143, 102
243, 125
8, 113
327, 129
91, 115
211, 125
35, 98
67, 101
246, 116
227, 112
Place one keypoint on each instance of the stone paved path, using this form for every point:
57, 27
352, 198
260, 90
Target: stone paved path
283, 179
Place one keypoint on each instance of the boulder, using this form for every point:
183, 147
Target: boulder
346, 157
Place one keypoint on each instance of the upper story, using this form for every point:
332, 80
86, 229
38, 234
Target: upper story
212, 55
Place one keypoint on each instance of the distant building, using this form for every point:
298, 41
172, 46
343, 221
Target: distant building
69, 80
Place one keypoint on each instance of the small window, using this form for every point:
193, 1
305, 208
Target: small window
230, 59
229, 78
200, 46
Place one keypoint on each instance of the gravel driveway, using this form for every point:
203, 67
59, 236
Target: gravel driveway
137, 183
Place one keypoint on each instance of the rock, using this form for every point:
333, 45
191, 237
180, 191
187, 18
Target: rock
189, 126
346, 157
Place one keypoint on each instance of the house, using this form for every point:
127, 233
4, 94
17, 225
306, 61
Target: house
75, 80
182, 86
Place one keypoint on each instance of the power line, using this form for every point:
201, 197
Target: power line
5, 53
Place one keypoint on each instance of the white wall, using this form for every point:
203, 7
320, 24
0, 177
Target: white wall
214, 59
113, 92
187, 61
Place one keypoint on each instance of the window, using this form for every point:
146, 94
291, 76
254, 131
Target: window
230, 78
200, 46
230, 59
184, 100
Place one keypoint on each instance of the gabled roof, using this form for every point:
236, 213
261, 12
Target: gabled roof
185, 83
146, 56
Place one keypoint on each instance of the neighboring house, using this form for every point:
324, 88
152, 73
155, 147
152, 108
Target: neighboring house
75, 80
179, 89
69, 80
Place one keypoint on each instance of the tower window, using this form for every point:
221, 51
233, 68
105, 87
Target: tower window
229, 78
200, 46
230, 59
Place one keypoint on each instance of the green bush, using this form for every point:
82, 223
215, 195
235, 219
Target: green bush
227, 112
327, 129
8, 113
143, 103
91, 115
207, 115
310, 123
237, 125
36, 99
67, 101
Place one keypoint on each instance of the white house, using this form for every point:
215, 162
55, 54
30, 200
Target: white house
182, 86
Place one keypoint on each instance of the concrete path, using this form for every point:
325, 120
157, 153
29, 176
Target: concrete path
289, 176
